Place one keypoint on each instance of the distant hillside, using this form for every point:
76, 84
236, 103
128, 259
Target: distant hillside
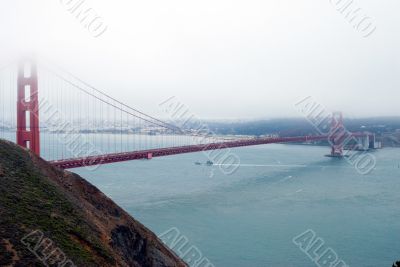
387, 129
48, 216
297, 126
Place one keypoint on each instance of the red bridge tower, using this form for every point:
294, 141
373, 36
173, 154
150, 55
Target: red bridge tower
28, 132
337, 135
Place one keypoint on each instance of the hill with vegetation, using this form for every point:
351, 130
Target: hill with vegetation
51, 217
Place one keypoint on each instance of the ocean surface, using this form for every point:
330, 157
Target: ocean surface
249, 218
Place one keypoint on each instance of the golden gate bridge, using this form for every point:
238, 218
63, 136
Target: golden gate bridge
73, 124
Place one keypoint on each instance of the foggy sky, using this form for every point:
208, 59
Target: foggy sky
221, 58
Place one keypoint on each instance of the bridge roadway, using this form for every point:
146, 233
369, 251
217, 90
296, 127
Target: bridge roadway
161, 152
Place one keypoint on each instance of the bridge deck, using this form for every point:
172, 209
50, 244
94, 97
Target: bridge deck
144, 154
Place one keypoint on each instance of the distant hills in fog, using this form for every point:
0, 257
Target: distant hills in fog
387, 129
300, 126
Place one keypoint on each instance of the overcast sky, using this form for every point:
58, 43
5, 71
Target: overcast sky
221, 58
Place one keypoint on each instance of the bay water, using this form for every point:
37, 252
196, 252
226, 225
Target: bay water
250, 217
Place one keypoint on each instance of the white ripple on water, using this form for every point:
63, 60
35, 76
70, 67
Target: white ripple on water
263, 165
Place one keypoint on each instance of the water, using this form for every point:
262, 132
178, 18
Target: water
249, 218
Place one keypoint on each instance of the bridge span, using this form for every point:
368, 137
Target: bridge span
151, 153
58, 103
